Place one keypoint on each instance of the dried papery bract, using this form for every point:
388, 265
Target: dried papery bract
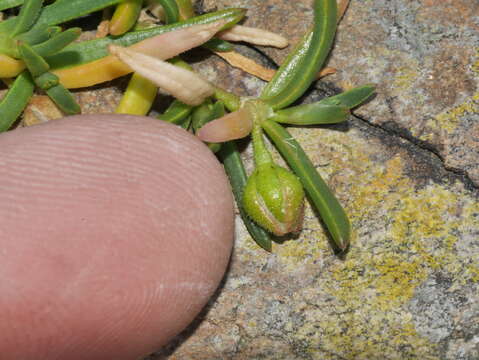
173, 43
235, 125
183, 84
254, 36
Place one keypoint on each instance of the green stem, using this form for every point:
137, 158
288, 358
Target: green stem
231, 101
261, 154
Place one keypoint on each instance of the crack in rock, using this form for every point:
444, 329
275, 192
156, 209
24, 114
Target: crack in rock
420, 145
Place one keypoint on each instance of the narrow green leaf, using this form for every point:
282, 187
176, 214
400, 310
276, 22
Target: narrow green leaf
64, 99
34, 62
176, 113
319, 193
201, 115
65, 10
299, 69
37, 34
312, 114
15, 100
8, 4
234, 168
27, 16
57, 42
80, 53
62, 11
205, 113
185, 124
172, 12
350, 98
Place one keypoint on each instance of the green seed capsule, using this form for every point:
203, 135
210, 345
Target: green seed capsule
322, 198
274, 198
234, 168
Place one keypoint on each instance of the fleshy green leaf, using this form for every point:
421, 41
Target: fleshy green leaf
312, 114
299, 69
321, 196
15, 100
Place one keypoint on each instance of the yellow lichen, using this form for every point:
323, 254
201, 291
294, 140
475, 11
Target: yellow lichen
450, 119
402, 234
404, 78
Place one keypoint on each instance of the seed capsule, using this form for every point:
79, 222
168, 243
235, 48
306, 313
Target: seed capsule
274, 198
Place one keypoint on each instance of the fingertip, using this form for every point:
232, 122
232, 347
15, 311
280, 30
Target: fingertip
116, 231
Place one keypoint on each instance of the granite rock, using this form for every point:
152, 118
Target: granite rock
422, 55
405, 167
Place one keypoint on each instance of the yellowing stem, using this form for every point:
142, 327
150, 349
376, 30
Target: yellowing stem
138, 97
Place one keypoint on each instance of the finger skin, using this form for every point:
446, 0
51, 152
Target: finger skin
115, 232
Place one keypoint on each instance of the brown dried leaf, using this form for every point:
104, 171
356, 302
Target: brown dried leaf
251, 67
246, 64
103, 29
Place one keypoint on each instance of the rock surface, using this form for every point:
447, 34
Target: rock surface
405, 168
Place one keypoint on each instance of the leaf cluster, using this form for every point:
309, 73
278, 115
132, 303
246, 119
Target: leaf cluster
38, 53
